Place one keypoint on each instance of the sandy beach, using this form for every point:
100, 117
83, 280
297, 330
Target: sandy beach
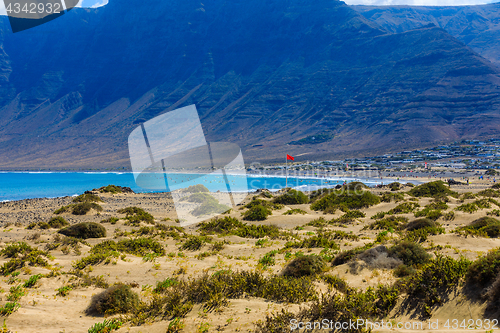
43, 308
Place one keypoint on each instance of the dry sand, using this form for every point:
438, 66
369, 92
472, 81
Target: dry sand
42, 311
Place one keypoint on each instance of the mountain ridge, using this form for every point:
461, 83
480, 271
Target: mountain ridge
262, 75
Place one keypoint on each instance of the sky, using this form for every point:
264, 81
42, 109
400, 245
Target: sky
97, 3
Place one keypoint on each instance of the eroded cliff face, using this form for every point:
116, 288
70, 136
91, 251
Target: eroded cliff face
263, 74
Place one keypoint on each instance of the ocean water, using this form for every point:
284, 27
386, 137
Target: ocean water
29, 185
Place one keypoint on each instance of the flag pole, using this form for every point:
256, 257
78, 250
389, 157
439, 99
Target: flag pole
286, 170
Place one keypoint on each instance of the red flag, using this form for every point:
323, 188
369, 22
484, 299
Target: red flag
289, 158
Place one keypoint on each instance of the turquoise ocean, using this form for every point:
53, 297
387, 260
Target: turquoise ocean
29, 185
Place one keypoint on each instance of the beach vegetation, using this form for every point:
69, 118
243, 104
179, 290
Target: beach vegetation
388, 197
106, 326
83, 208
257, 213
484, 227
21, 254
136, 215
113, 189
345, 200
119, 298
304, 266
84, 230
412, 254
292, 197
87, 197
432, 189
294, 212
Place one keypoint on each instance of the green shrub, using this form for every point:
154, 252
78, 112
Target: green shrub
404, 208
394, 186
136, 215
388, 197
9, 308
320, 240
403, 270
84, 230
421, 224
113, 189
412, 254
484, 270
106, 326
162, 286
266, 203
390, 222
87, 197
117, 299
318, 223
304, 266
292, 197
58, 222
491, 193
63, 209
427, 285
210, 207
268, 259
199, 188
432, 189
139, 246
22, 254
84, 207
232, 226
257, 213
450, 216
346, 256
194, 243
484, 226
294, 211
347, 199
30, 283
111, 220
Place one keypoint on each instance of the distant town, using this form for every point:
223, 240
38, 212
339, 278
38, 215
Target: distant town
463, 157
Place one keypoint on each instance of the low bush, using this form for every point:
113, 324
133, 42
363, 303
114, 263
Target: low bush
139, 246
106, 326
294, 211
484, 226
136, 215
346, 256
232, 226
21, 254
84, 230
346, 199
257, 213
117, 299
292, 197
484, 270
304, 266
436, 277
87, 197
198, 188
403, 270
271, 205
412, 254
421, 224
113, 189
320, 240
31, 282
84, 207
194, 243
394, 186
58, 222
378, 257
388, 197
390, 222
432, 189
